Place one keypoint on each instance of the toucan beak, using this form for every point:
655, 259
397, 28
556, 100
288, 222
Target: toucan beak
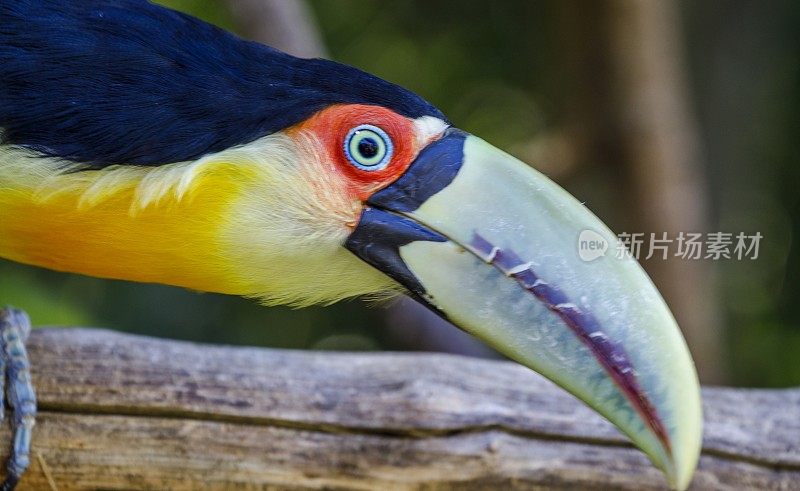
507, 255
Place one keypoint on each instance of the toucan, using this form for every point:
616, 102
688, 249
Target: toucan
142, 144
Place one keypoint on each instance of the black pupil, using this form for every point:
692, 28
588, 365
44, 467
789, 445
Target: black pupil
368, 147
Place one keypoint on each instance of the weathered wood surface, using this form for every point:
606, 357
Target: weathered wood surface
128, 412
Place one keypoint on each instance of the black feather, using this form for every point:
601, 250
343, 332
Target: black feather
105, 82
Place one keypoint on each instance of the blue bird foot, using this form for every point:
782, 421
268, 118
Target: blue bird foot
16, 389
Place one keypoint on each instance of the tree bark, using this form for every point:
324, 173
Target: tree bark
126, 412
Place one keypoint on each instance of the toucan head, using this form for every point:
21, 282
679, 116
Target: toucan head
492, 245
197, 159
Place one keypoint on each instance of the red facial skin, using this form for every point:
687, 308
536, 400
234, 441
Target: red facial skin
331, 126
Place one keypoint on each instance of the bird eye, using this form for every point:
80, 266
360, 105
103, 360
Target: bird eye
368, 147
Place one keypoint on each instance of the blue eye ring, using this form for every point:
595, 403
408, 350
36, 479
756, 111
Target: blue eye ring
368, 147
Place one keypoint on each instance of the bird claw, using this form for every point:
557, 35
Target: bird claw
16, 389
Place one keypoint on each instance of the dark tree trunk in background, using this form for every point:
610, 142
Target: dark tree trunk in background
287, 25
629, 109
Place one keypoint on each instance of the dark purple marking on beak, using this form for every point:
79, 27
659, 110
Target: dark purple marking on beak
610, 354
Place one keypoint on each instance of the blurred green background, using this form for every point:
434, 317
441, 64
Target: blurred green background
552, 82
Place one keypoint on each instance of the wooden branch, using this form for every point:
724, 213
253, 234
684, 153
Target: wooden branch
126, 412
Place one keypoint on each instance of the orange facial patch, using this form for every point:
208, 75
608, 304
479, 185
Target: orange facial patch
331, 127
